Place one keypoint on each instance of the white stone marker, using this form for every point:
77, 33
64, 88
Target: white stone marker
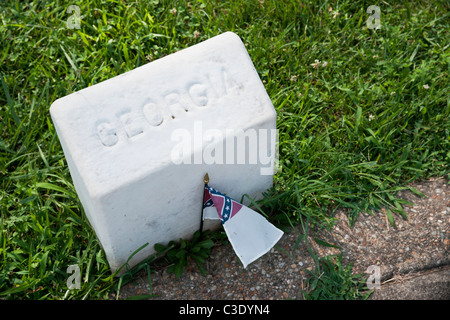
137, 145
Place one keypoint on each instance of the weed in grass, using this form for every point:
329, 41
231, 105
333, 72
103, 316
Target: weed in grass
178, 254
331, 280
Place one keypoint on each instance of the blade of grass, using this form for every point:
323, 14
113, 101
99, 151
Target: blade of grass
10, 103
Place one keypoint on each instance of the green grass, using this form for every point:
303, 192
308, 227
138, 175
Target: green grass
353, 130
333, 281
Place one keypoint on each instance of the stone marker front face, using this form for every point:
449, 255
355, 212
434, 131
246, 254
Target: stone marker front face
138, 145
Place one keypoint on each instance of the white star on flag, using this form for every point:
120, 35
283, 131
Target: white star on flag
250, 234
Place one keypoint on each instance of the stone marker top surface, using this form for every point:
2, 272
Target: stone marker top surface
125, 122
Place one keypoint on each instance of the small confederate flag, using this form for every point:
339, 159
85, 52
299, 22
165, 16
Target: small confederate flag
250, 234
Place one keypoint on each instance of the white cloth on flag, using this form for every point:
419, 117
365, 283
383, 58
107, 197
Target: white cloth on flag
250, 234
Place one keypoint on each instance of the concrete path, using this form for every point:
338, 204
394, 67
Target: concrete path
410, 261
433, 284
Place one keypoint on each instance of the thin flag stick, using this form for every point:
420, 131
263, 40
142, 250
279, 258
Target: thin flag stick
205, 180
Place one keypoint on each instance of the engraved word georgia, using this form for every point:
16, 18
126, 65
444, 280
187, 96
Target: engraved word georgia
165, 108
